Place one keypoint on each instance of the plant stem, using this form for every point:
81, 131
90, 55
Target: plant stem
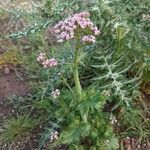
68, 86
76, 73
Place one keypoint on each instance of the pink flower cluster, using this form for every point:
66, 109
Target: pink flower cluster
47, 63
55, 93
65, 30
41, 57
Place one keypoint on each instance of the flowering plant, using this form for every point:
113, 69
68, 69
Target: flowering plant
81, 30
78, 107
83, 119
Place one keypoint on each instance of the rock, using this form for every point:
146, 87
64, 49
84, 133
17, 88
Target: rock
6, 71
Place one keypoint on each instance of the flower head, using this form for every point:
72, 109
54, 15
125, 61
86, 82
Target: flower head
41, 57
66, 30
47, 63
54, 136
55, 93
53, 62
113, 119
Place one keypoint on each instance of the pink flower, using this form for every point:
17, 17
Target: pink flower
85, 38
93, 39
85, 14
47, 63
55, 93
41, 57
71, 23
90, 24
65, 35
65, 30
57, 31
96, 31
89, 39
53, 62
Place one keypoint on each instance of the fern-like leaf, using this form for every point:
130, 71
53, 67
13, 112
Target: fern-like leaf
113, 76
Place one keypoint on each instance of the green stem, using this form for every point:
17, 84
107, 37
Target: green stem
68, 86
76, 73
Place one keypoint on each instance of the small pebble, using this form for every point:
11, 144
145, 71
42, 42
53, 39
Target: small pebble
6, 70
138, 146
19, 142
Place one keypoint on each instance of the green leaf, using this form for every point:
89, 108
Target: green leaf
112, 144
75, 133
